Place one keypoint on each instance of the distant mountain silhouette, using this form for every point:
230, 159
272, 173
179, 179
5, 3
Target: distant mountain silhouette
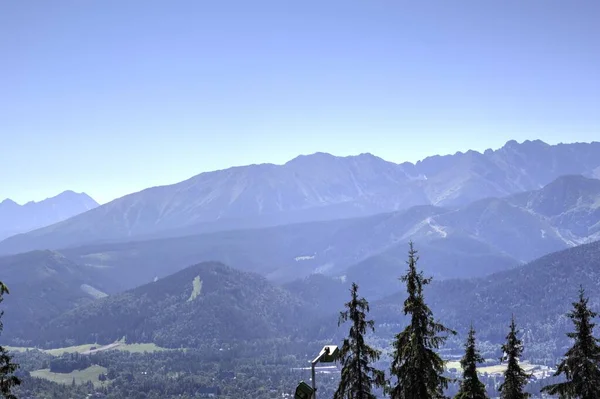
316, 187
16, 219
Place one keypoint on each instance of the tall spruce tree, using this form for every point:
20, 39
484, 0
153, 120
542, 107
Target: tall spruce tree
416, 366
470, 386
581, 365
515, 378
7, 367
358, 377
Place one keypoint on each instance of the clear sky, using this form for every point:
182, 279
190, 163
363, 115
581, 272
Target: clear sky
113, 96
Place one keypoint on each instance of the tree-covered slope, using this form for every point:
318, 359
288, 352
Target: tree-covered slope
43, 285
282, 253
538, 294
202, 303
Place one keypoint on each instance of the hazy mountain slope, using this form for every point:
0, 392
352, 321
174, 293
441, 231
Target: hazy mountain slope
453, 257
485, 237
316, 187
508, 228
377, 276
525, 226
489, 235
281, 253
307, 188
539, 294
15, 218
43, 285
492, 234
465, 177
204, 302
481, 238
572, 203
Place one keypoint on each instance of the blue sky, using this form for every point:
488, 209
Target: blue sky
113, 96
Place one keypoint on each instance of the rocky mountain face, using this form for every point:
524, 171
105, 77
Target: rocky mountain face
316, 187
16, 219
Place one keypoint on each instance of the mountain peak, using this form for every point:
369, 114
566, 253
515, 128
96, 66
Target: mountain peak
327, 157
367, 155
313, 156
537, 142
514, 144
9, 202
16, 219
71, 194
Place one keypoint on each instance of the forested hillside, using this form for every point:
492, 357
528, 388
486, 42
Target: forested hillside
209, 302
44, 285
539, 294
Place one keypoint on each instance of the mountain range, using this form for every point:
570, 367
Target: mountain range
490, 240
486, 236
315, 187
16, 219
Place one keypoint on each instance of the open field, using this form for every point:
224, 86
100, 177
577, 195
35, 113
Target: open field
87, 348
140, 348
81, 376
54, 352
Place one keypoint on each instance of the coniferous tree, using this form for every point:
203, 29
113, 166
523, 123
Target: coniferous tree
581, 365
416, 366
515, 378
470, 386
7, 367
358, 377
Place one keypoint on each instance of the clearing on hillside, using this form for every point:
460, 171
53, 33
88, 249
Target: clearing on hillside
81, 376
197, 284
